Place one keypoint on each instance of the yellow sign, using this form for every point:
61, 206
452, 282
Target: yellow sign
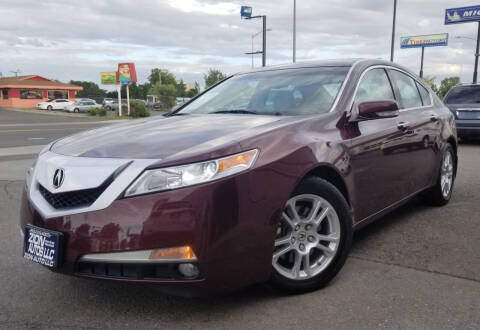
108, 78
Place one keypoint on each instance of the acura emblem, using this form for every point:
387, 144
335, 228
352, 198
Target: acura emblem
58, 177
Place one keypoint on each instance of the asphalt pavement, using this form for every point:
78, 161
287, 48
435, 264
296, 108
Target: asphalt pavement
418, 267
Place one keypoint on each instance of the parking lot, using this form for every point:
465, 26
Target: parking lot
416, 268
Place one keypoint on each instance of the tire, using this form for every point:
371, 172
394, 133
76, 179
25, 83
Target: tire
76, 110
437, 196
49, 108
335, 227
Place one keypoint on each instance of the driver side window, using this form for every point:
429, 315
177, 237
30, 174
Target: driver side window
375, 86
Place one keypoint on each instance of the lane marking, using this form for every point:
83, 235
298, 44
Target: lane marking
39, 130
25, 150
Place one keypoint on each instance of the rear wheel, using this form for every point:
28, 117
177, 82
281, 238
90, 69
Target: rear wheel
76, 110
49, 108
441, 193
313, 237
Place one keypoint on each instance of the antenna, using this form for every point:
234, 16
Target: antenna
16, 72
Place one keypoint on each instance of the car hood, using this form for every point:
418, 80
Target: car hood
166, 137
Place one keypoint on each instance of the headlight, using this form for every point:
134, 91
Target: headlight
188, 175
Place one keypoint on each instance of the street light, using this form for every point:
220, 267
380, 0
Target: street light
294, 30
253, 36
393, 29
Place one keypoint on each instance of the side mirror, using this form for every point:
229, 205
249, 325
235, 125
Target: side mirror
377, 109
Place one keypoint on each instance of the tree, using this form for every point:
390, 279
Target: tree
430, 81
166, 92
90, 89
194, 91
181, 88
139, 91
162, 76
213, 76
446, 84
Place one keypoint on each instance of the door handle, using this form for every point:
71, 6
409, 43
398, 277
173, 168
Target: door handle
403, 126
434, 118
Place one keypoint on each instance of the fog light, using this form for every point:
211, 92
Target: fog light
188, 270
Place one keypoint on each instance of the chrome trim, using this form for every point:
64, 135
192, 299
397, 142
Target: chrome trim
383, 66
88, 173
140, 256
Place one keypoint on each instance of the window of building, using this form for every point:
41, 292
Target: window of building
5, 94
30, 94
57, 94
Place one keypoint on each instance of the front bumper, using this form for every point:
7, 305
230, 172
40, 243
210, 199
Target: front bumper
230, 224
469, 127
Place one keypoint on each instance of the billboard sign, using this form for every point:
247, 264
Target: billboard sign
126, 73
108, 78
431, 40
246, 12
462, 15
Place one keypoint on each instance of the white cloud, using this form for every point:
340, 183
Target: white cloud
78, 39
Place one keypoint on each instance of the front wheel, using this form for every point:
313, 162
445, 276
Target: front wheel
49, 108
313, 237
441, 193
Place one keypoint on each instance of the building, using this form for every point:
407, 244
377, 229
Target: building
27, 91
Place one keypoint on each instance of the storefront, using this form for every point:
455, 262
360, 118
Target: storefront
27, 91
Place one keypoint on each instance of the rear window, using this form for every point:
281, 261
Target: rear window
463, 95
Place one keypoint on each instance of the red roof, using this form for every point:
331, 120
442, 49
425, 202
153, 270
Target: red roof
35, 82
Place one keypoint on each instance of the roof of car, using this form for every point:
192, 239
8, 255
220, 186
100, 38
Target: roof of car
325, 63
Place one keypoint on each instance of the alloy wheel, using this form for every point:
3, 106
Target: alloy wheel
446, 178
308, 237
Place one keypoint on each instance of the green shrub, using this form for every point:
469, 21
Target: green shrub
138, 109
101, 112
92, 112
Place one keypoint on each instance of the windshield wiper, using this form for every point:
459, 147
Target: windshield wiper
235, 111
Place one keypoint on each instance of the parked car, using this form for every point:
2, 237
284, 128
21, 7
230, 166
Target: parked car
114, 105
82, 106
264, 177
54, 104
181, 100
107, 101
464, 102
85, 99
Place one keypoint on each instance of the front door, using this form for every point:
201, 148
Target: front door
379, 170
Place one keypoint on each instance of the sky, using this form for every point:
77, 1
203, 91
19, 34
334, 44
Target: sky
76, 40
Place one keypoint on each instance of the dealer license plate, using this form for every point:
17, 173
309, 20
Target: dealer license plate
42, 246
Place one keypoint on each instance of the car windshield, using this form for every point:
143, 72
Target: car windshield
291, 92
463, 95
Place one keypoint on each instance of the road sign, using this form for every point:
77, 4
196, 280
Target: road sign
462, 15
246, 12
126, 73
431, 40
108, 78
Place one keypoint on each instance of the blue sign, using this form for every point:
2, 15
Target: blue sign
246, 12
462, 15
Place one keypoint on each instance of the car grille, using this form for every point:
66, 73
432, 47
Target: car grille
73, 199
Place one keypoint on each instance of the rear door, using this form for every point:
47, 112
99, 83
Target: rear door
420, 127
378, 171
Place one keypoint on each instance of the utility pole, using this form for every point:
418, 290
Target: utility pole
421, 63
476, 56
393, 30
18, 71
264, 41
294, 30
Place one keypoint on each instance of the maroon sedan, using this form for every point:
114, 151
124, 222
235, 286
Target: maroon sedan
261, 178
